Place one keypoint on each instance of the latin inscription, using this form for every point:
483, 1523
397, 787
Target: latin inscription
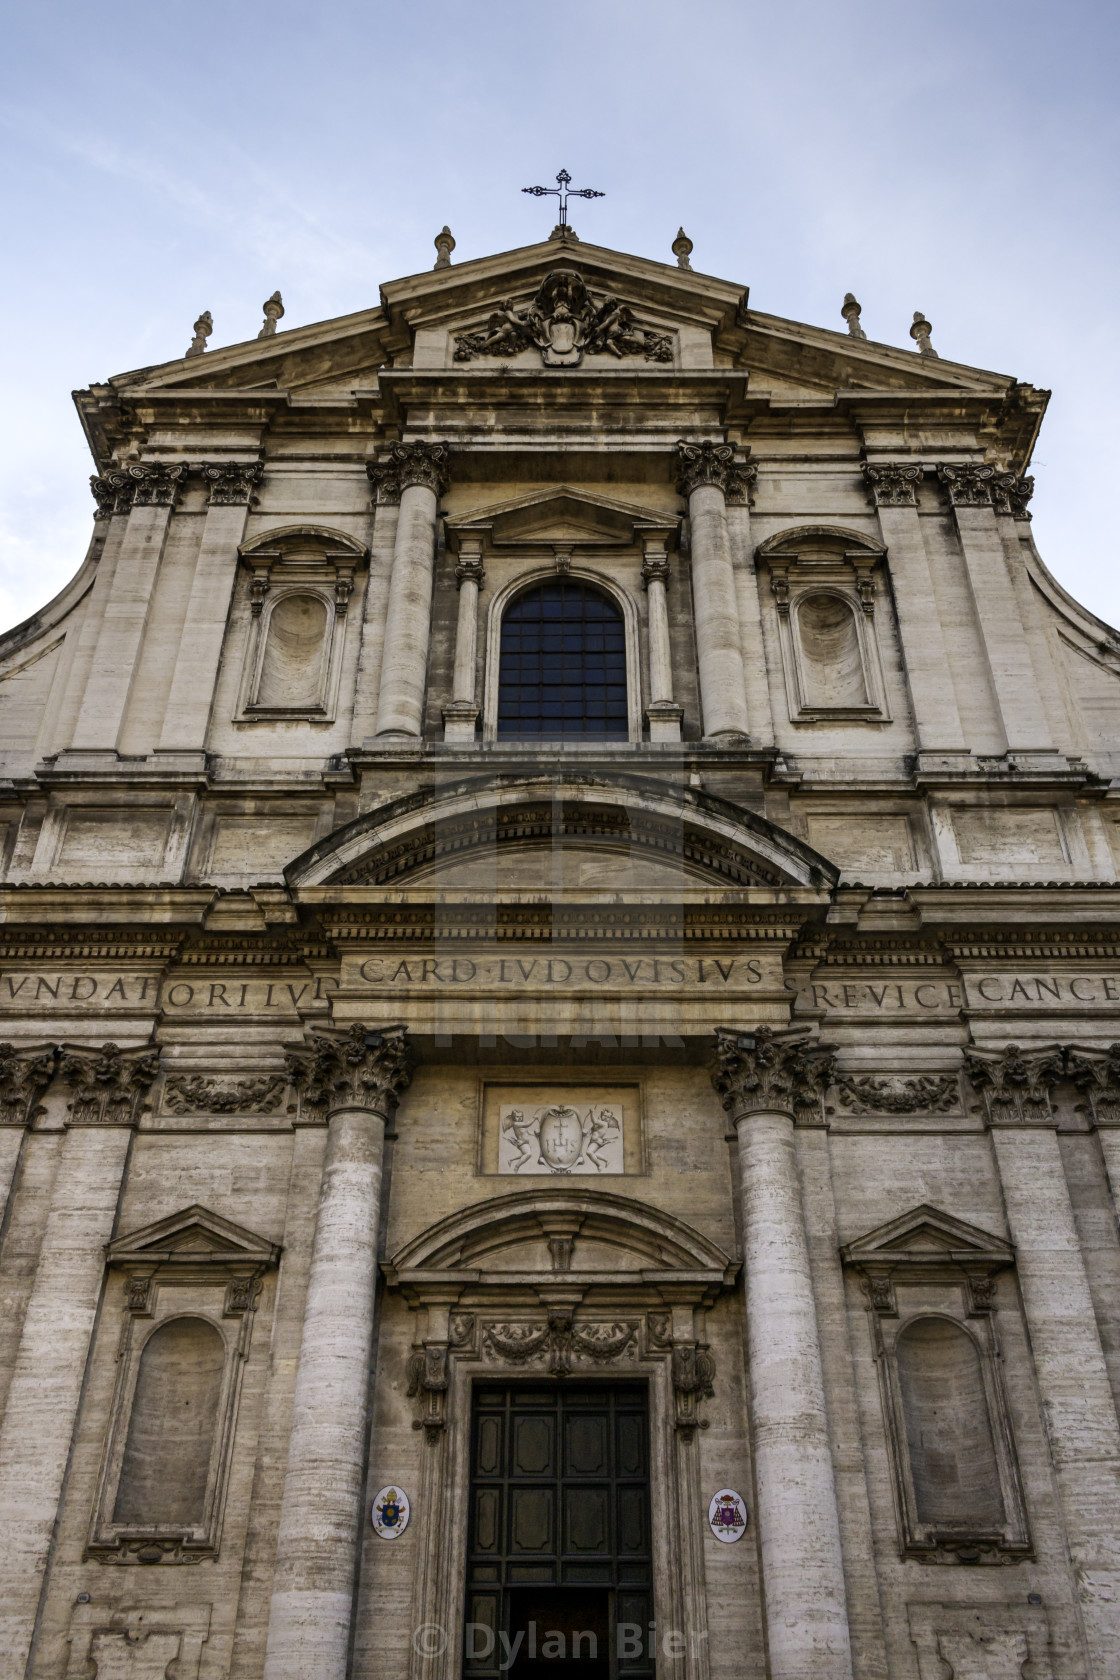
539, 975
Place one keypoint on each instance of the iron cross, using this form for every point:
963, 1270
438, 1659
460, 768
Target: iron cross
560, 191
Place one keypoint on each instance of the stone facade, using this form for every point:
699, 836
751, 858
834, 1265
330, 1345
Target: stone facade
758, 1058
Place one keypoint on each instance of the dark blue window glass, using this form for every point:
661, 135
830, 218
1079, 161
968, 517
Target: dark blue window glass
563, 664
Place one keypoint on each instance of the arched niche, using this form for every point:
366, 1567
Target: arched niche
825, 586
297, 581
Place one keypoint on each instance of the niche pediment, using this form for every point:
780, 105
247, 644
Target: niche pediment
192, 1236
924, 1238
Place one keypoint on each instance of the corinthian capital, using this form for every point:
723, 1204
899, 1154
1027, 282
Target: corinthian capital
364, 1067
231, 483
893, 485
109, 1084
403, 464
1011, 493
968, 486
715, 464
1096, 1073
1016, 1084
24, 1076
764, 1071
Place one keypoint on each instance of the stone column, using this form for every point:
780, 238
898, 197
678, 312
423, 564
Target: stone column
1081, 1420
154, 492
765, 1080
707, 475
355, 1079
893, 489
460, 717
108, 1091
24, 1076
187, 715
1025, 726
663, 712
418, 473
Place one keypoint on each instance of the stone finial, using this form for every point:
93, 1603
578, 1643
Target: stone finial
920, 332
682, 249
764, 1070
563, 231
273, 311
850, 310
109, 1084
203, 327
364, 1067
444, 243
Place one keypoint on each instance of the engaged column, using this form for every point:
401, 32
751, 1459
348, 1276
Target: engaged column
764, 1079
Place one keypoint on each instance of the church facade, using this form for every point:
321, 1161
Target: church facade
560, 973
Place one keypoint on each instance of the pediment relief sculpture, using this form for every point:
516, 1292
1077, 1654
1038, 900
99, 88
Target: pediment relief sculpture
565, 322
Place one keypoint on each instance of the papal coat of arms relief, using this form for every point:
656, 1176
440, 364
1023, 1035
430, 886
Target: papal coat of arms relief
564, 321
561, 1139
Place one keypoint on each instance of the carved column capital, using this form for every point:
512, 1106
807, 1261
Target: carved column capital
24, 1076
468, 569
403, 464
655, 567
709, 463
1096, 1073
894, 484
231, 483
1016, 1084
1011, 493
766, 1072
109, 1084
363, 1067
969, 485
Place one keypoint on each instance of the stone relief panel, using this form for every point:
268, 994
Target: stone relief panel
135, 1644
980, 1641
560, 1131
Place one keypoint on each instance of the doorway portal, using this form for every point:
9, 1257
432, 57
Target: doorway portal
559, 1561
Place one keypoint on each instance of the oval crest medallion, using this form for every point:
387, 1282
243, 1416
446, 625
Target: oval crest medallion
727, 1515
390, 1513
561, 1138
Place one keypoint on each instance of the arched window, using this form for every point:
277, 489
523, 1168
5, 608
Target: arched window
953, 1464
832, 659
562, 668
171, 1430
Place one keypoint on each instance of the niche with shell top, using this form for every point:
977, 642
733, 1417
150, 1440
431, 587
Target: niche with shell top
825, 589
298, 584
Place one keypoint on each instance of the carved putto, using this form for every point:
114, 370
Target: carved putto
564, 322
557, 1138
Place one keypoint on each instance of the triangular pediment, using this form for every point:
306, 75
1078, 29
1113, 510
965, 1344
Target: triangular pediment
926, 1235
195, 1234
562, 515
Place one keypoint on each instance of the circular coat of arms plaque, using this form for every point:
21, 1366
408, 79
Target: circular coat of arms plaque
390, 1513
727, 1515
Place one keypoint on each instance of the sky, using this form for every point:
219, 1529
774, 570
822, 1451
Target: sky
159, 160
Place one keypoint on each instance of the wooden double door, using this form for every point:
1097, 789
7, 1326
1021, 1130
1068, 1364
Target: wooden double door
559, 1560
